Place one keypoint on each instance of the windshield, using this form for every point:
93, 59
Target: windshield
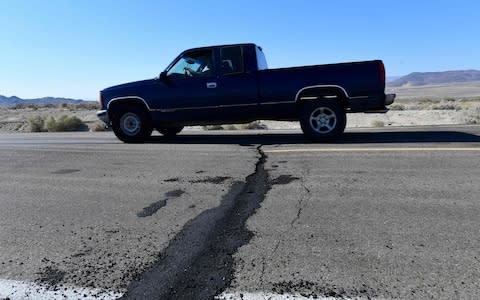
198, 63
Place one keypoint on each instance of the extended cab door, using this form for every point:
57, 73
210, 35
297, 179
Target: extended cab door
237, 85
189, 89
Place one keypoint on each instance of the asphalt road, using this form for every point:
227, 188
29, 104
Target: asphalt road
382, 213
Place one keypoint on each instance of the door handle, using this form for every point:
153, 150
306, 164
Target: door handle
211, 85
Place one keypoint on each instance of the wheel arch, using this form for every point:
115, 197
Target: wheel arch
127, 100
322, 92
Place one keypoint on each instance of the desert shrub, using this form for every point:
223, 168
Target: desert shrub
253, 125
36, 124
396, 106
97, 126
230, 127
64, 123
19, 106
87, 106
212, 127
426, 101
32, 106
377, 123
472, 116
247, 126
445, 106
63, 105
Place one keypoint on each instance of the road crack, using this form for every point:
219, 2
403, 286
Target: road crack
262, 273
198, 263
306, 195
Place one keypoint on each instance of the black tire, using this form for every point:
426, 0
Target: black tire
131, 124
323, 119
170, 131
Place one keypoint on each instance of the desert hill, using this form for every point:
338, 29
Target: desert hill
432, 78
14, 101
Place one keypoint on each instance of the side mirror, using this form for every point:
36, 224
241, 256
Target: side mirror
163, 76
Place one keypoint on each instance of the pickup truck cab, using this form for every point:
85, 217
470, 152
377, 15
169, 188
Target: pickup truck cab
230, 84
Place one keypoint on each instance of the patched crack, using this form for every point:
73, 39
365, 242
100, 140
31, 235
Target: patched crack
198, 263
156, 206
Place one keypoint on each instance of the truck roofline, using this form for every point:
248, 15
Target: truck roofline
220, 46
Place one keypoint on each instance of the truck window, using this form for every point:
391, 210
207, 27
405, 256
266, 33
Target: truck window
261, 61
193, 64
232, 60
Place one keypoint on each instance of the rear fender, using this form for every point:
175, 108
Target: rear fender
322, 92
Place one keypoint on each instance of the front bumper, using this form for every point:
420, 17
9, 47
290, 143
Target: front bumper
389, 98
103, 116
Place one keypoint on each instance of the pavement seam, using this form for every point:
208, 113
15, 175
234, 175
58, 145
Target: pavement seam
199, 261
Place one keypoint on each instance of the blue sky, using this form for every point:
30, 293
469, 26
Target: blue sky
76, 48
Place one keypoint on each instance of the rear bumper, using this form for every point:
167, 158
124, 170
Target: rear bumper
389, 98
371, 104
103, 116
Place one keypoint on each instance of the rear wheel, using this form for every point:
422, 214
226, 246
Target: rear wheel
322, 120
170, 131
131, 124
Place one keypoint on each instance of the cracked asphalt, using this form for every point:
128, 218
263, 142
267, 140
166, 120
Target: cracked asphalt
384, 213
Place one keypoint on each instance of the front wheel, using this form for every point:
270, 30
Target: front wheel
322, 120
170, 131
131, 124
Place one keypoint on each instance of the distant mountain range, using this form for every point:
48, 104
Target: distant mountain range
13, 101
429, 78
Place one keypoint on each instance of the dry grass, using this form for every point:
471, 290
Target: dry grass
97, 126
72, 107
472, 116
212, 127
377, 123
396, 106
436, 104
248, 126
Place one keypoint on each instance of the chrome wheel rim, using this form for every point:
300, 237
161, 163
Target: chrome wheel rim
130, 124
323, 120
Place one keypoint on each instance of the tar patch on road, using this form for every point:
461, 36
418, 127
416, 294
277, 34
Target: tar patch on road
198, 263
175, 179
156, 206
214, 180
174, 193
284, 179
65, 171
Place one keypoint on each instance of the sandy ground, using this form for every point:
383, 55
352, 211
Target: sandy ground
403, 113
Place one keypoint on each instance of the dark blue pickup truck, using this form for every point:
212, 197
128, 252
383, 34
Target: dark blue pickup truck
231, 84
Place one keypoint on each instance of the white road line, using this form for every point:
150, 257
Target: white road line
406, 149
19, 290
272, 296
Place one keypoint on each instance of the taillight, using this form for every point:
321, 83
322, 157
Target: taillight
100, 100
381, 71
